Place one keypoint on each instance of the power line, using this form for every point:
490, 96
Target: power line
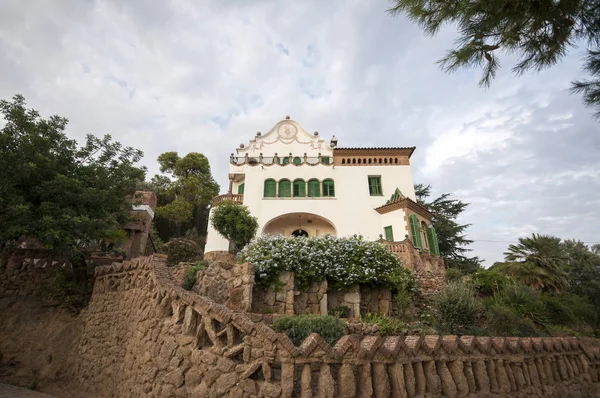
512, 241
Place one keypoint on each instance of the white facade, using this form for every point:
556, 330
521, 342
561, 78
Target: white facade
352, 208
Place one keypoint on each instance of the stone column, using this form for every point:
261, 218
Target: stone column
230, 184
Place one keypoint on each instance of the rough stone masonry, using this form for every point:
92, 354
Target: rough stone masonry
144, 336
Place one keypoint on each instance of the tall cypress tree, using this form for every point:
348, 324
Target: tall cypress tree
451, 236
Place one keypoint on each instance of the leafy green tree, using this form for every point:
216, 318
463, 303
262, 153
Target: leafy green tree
541, 32
537, 261
63, 195
235, 223
583, 271
183, 202
450, 234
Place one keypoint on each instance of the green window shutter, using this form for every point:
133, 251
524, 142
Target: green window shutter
328, 189
241, 189
414, 230
299, 189
325, 159
270, 190
375, 186
285, 189
297, 160
285, 160
389, 233
313, 189
432, 238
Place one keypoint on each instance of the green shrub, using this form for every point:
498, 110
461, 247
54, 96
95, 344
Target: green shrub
523, 300
299, 327
403, 298
486, 282
454, 275
504, 321
340, 312
387, 326
340, 261
456, 309
234, 222
34, 384
181, 250
568, 309
189, 277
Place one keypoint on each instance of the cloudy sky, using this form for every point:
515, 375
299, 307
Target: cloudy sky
204, 76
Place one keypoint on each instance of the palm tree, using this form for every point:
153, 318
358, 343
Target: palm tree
538, 262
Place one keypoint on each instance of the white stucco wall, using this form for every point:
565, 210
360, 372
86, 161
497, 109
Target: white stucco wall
351, 211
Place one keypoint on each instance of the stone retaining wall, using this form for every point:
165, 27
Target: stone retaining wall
144, 336
186, 345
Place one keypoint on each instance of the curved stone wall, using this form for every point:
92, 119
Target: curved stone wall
144, 336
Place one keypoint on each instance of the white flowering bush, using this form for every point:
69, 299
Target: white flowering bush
340, 261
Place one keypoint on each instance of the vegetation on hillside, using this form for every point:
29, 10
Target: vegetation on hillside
541, 32
545, 287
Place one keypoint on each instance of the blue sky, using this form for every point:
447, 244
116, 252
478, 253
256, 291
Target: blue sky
205, 76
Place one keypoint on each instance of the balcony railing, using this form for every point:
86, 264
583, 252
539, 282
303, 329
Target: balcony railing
228, 196
281, 160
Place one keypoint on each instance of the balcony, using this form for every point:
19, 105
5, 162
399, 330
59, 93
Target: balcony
281, 160
237, 198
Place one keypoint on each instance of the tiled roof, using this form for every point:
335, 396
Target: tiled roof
376, 148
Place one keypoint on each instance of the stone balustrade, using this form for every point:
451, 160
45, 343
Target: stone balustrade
237, 198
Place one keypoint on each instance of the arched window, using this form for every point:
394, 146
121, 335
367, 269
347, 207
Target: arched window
370, 160
385, 161
379, 160
241, 189
414, 230
270, 190
299, 188
297, 160
353, 160
328, 189
313, 188
285, 188
343, 161
396, 160
359, 161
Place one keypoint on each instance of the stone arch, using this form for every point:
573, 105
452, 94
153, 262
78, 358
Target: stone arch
286, 224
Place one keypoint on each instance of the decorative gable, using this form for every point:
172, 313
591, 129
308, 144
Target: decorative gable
284, 138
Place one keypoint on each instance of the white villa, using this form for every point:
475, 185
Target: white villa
296, 184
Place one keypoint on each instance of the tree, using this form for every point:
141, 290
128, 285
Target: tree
541, 32
235, 223
538, 262
183, 202
583, 270
450, 234
63, 195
